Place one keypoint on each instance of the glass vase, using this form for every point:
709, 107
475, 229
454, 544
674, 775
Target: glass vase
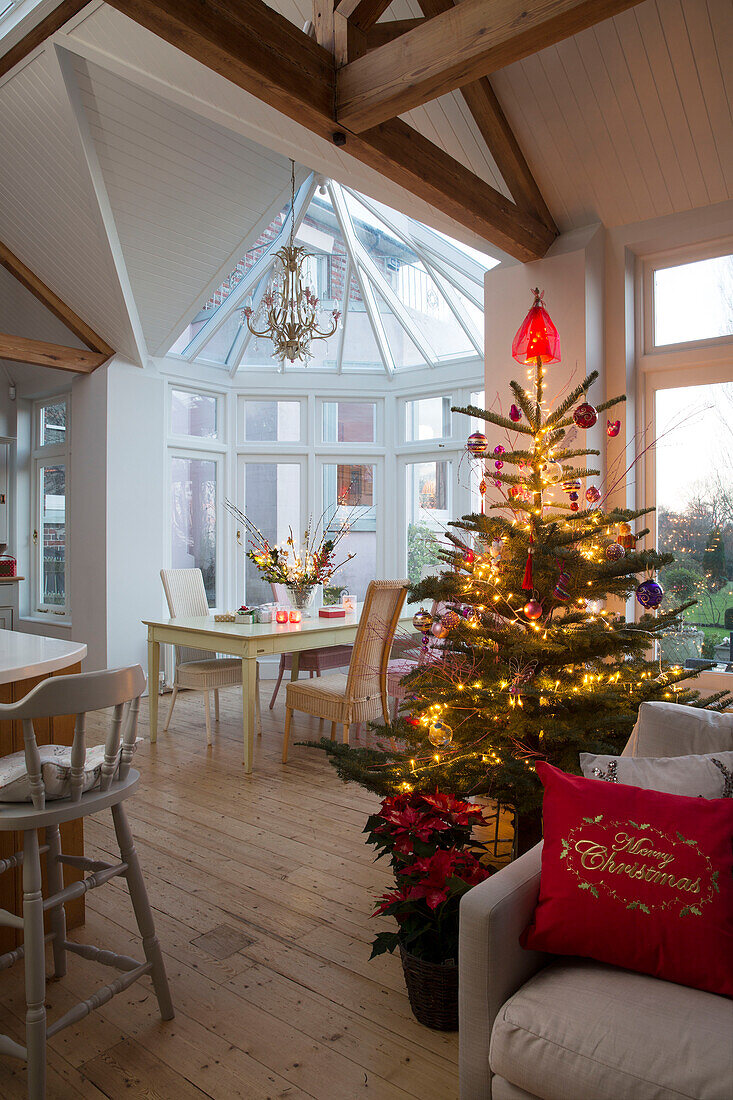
303, 597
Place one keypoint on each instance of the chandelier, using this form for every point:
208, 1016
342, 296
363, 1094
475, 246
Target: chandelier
290, 313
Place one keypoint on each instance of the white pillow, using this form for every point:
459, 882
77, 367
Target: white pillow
669, 729
709, 776
55, 768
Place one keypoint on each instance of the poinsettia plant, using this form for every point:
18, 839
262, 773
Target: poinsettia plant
435, 860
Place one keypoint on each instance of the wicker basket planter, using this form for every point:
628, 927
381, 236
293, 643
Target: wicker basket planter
433, 991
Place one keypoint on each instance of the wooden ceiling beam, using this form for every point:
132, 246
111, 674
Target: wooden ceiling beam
19, 349
387, 32
457, 47
43, 30
253, 46
362, 13
492, 123
53, 303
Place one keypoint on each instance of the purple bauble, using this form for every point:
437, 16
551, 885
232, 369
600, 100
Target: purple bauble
451, 619
585, 415
477, 444
615, 551
650, 594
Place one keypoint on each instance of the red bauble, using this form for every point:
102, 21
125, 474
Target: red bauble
592, 494
477, 444
469, 557
585, 415
537, 337
613, 427
515, 414
533, 609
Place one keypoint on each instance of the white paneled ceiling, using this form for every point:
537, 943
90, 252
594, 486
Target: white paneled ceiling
48, 215
631, 119
184, 193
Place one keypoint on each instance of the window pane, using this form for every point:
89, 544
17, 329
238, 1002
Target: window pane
427, 418
52, 427
694, 459
193, 414
693, 301
193, 498
53, 536
271, 421
272, 503
349, 486
348, 421
428, 511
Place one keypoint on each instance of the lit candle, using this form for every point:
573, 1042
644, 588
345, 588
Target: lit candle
281, 616
348, 602
295, 615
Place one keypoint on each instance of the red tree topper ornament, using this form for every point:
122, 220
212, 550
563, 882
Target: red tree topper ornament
537, 337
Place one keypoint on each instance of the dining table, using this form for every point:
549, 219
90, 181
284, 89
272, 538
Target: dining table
250, 642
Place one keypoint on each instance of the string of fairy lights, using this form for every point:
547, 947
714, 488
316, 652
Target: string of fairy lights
491, 613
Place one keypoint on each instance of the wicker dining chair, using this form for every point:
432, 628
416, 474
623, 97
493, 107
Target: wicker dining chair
198, 669
50, 785
360, 695
315, 661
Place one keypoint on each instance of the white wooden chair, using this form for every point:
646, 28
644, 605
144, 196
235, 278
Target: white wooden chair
315, 661
197, 669
360, 695
114, 780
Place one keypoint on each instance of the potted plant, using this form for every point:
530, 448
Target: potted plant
428, 838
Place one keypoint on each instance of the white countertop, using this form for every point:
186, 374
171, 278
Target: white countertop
23, 656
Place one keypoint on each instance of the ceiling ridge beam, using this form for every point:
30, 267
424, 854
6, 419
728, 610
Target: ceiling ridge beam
21, 349
52, 302
257, 49
362, 14
83, 133
470, 40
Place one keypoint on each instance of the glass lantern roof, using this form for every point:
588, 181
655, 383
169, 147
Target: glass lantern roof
409, 296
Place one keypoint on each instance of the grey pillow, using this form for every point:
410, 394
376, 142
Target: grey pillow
672, 729
708, 776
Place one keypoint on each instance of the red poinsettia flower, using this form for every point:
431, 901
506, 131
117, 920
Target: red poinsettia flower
416, 822
459, 812
432, 875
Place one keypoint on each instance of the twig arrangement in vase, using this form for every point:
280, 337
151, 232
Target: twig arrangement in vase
300, 568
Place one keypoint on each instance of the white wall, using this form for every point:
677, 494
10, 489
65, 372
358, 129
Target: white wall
572, 277
136, 511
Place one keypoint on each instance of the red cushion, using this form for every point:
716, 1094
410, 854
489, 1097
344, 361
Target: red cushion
638, 879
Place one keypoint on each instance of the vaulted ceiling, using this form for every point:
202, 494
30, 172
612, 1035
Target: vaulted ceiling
131, 174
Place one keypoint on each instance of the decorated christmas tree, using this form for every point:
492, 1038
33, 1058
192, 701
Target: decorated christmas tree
530, 655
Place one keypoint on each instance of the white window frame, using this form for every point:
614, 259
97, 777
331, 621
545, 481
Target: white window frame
220, 439
219, 458
48, 455
351, 399
265, 446
675, 258
421, 444
276, 458
359, 458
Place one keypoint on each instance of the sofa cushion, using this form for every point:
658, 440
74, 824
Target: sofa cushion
707, 776
580, 1030
671, 729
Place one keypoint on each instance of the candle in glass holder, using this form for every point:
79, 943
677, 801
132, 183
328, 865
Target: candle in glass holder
295, 615
348, 602
281, 615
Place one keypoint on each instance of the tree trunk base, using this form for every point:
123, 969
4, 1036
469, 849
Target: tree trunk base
528, 832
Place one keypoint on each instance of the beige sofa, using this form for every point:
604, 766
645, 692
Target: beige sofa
539, 1027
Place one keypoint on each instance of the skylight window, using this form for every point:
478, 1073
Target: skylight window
409, 297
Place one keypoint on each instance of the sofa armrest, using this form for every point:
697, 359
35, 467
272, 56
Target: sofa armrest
492, 965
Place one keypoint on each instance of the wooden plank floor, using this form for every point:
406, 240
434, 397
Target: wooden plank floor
262, 889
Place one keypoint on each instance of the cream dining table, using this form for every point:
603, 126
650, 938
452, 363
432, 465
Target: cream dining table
249, 643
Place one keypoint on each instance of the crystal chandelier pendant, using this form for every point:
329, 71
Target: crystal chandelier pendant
290, 313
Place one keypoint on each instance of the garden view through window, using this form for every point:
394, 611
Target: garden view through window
694, 461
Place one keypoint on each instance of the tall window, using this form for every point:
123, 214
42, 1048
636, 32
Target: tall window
193, 508
50, 507
348, 494
428, 512
272, 503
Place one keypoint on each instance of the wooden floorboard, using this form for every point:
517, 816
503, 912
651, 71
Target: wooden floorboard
262, 890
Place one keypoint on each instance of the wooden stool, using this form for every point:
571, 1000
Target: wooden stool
120, 689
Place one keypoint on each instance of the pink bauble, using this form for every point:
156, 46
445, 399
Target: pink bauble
477, 444
533, 609
439, 631
614, 551
592, 494
515, 414
585, 415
